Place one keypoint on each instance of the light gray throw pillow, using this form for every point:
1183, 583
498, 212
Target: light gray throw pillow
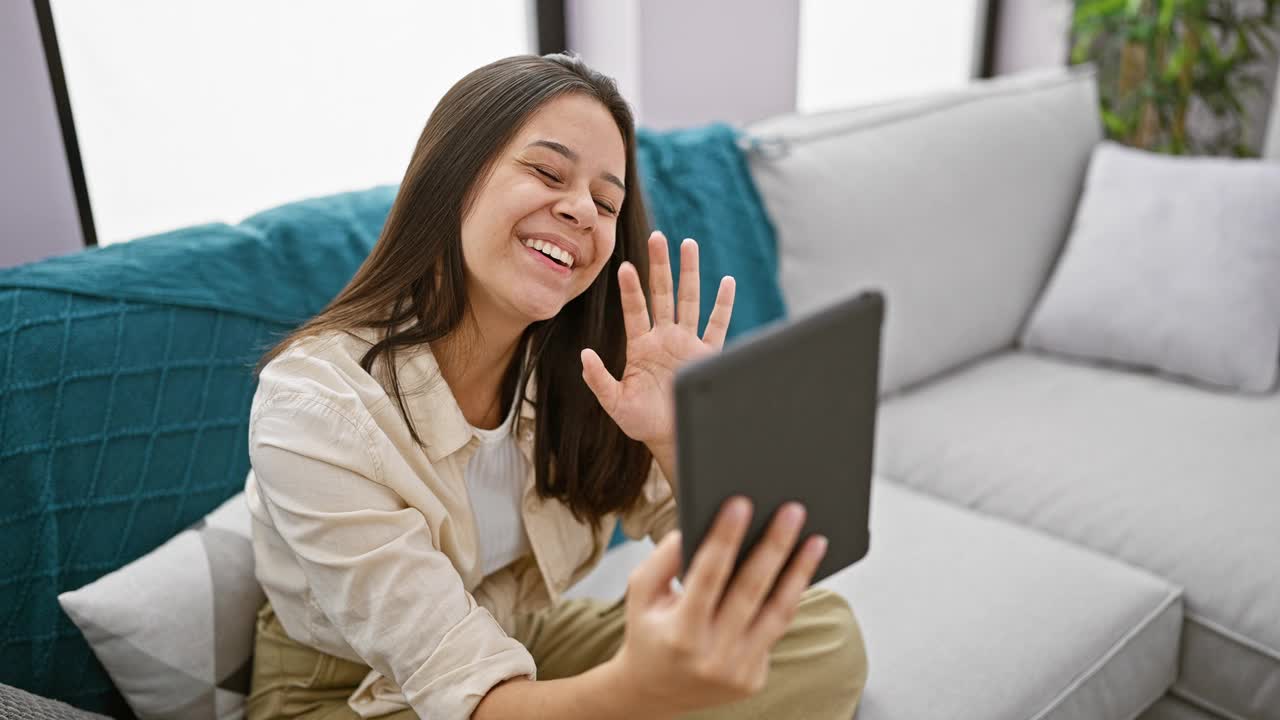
1173, 264
175, 628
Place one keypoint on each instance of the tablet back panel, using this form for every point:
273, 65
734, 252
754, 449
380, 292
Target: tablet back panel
786, 414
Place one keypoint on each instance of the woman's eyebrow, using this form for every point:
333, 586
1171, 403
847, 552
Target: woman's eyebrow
573, 156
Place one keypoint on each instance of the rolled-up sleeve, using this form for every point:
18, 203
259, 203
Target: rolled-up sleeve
370, 561
655, 513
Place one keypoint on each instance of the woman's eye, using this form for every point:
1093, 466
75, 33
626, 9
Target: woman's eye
548, 174
606, 207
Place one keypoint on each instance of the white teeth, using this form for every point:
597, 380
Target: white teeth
550, 250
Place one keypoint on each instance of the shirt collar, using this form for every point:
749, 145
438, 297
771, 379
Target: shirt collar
431, 405
435, 411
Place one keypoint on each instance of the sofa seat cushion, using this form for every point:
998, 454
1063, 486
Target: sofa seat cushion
1179, 480
971, 617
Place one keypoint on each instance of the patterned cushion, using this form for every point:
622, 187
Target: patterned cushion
174, 647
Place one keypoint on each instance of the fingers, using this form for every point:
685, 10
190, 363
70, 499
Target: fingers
776, 615
635, 314
713, 562
597, 377
687, 310
753, 582
651, 580
718, 323
660, 295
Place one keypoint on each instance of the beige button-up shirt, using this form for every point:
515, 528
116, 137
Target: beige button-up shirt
365, 542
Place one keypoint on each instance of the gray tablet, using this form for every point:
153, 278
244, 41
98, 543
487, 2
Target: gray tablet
785, 414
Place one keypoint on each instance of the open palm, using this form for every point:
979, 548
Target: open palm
642, 402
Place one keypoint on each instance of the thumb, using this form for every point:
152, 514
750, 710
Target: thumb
651, 580
599, 380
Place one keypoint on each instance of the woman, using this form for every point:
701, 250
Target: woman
445, 449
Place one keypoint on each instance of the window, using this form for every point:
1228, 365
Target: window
191, 112
857, 52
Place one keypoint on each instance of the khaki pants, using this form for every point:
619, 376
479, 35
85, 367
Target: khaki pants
817, 670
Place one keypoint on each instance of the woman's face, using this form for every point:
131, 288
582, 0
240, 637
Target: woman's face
543, 224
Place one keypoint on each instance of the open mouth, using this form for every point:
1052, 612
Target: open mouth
553, 253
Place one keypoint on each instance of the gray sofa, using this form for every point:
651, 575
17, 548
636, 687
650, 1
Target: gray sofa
1050, 539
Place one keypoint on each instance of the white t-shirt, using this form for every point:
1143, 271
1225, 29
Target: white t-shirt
495, 482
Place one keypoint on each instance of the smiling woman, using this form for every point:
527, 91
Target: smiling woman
489, 296
556, 186
448, 446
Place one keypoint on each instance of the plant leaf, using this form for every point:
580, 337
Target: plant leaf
1165, 22
1097, 8
1176, 60
1115, 124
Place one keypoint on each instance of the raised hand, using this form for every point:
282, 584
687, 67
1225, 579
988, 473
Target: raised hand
642, 402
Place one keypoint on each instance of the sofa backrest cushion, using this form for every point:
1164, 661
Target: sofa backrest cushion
954, 206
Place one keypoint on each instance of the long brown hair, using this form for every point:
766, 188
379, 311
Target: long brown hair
412, 286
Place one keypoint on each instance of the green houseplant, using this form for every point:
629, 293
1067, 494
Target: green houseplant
1158, 58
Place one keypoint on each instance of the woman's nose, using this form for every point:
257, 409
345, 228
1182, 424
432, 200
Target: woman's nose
578, 210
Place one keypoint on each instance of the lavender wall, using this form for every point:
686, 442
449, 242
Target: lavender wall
1031, 34
1271, 143
38, 216
1272, 149
606, 35
685, 63
731, 60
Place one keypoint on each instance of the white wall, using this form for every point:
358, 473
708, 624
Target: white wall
38, 216
193, 111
